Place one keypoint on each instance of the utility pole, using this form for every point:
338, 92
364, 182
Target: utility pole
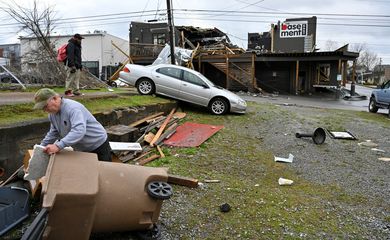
171, 31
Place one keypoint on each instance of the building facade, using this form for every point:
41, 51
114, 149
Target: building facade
10, 55
98, 53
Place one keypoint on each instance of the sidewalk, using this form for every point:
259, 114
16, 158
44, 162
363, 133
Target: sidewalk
11, 98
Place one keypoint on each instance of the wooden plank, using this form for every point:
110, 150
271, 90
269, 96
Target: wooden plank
183, 181
142, 155
161, 129
171, 130
115, 159
162, 155
179, 115
12, 176
145, 119
27, 157
147, 160
296, 77
149, 137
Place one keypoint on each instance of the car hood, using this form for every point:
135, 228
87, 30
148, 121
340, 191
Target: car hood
224, 92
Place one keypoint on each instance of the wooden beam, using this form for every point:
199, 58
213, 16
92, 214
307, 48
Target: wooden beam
145, 119
344, 72
354, 71
115, 76
12, 176
227, 72
254, 84
147, 160
183, 181
161, 129
296, 77
162, 155
123, 52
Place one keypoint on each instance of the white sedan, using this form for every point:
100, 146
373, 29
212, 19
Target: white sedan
183, 84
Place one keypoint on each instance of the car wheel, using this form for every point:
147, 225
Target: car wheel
159, 190
112, 84
372, 105
218, 106
145, 86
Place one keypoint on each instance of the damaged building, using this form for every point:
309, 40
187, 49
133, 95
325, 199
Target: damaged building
284, 59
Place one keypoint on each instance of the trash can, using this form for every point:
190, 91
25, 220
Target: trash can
84, 195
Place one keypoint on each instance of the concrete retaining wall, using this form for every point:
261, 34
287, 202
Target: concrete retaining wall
16, 139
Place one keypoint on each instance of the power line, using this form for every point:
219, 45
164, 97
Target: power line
319, 23
287, 13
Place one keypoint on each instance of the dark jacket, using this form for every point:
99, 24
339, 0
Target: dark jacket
73, 53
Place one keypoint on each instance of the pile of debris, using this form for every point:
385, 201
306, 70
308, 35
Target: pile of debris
150, 132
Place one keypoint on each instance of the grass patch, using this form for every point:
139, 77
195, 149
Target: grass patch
261, 209
10, 114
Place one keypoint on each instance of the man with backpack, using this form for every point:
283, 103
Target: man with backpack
73, 63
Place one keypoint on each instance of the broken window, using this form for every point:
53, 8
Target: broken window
159, 38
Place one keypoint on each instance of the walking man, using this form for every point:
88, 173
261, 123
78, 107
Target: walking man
71, 124
73, 63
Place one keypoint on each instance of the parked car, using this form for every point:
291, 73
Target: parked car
380, 98
5, 77
182, 84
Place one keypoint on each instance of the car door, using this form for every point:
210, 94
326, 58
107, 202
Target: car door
168, 81
194, 89
384, 94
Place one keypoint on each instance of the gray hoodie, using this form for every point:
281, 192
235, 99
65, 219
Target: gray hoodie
74, 126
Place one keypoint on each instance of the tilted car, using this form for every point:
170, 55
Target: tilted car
182, 84
380, 98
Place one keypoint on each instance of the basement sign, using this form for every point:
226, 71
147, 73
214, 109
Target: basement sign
293, 29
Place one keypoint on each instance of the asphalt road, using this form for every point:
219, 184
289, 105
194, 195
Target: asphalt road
327, 100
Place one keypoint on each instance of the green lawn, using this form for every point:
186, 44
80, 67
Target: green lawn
23, 112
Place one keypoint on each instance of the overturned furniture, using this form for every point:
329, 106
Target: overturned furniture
84, 195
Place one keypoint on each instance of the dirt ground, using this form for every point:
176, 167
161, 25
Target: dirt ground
340, 189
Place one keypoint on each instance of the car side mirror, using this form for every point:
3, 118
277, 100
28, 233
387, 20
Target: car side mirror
205, 86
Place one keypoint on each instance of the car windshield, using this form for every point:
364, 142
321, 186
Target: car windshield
208, 82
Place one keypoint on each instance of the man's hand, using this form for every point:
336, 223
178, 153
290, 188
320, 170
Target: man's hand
51, 149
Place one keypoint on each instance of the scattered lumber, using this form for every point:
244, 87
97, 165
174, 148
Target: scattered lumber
145, 119
147, 126
183, 181
161, 129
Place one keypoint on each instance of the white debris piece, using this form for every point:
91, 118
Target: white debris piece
125, 146
37, 164
287, 160
284, 181
378, 150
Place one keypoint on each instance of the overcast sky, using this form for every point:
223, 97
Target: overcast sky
341, 21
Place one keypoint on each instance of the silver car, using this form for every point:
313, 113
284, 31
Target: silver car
183, 84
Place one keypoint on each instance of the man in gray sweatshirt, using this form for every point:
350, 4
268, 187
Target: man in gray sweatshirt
71, 124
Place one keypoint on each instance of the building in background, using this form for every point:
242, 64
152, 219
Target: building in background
98, 53
292, 35
10, 55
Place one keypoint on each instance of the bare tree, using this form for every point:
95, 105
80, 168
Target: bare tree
368, 60
358, 47
330, 45
39, 24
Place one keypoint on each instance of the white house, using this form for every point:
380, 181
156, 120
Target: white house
97, 54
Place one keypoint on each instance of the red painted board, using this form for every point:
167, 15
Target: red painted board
192, 134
